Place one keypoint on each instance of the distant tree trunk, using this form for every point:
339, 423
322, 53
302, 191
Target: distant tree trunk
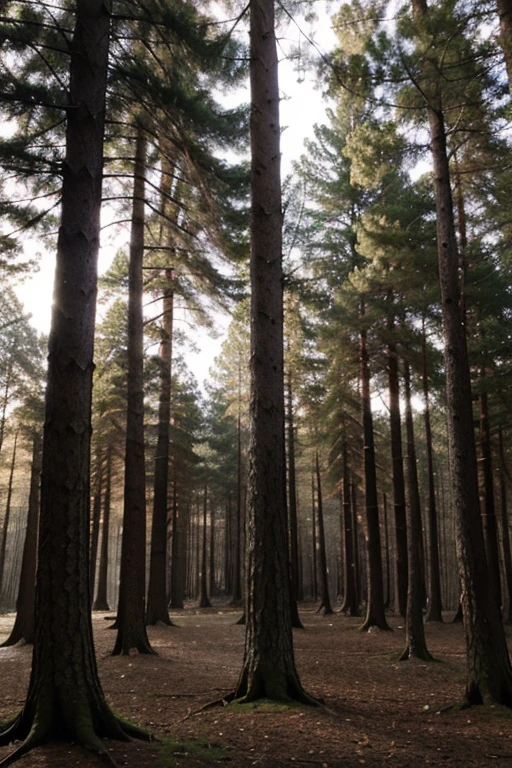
204, 601
237, 528
7, 516
489, 674
435, 605
325, 600
350, 600
375, 614
178, 553
131, 614
157, 611
269, 665
314, 540
64, 698
387, 599
397, 477
415, 642
212, 584
489, 523
505, 533
23, 629
292, 498
5, 402
101, 602
95, 523
355, 539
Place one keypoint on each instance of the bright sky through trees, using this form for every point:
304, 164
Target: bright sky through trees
302, 106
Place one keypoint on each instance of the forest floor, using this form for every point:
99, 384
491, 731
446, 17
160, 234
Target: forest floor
378, 711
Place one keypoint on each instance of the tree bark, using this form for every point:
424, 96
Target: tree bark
95, 522
435, 605
350, 599
269, 665
325, 600
375, 613
157, 611
504, 8
397, 477
415, 642
204, 601
505, 533
64, 698
101, 601
131, 625
489, 673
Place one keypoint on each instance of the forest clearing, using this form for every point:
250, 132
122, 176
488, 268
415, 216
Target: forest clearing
378, 711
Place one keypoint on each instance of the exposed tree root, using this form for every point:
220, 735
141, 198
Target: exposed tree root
422, 655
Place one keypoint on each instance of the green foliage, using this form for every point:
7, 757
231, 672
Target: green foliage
173, 753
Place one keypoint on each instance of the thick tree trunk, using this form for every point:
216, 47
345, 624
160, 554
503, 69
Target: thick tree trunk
350, 599
64, 698
415, 642
23, 629
489, 523
157, 611
489, 674
505, 533
325, 600
101, 601
131, 626
398, 479
375, 613
269, 665
435, 605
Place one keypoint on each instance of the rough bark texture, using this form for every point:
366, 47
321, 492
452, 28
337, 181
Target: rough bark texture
375, 614
64, 698
398, 481
131, 626
269, 666
23, 629
415, 643
505, 534
489, 674
489, 523
157, 610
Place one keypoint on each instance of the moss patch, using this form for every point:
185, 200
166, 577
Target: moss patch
173, 753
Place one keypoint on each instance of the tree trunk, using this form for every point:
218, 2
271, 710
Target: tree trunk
375, 614
415, 643
314, 541
387, 599
23, 629
101, 602
204, 601
505, 533
489, 524
269, 665
504, 8
350, 600
435, 605
292, 498
64, 698
178, 553
131, 626
7, 516
398, 478
157, 610
489, 674
325, 600
95, 523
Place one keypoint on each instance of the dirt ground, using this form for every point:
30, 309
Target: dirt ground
378, 711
